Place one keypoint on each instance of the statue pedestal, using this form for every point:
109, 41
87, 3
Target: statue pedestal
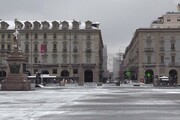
16, 79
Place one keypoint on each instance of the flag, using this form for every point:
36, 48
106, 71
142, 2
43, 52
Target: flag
43, 48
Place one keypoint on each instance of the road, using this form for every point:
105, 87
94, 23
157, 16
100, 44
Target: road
91, 103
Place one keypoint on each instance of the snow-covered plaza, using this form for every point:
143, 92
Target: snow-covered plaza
91, 103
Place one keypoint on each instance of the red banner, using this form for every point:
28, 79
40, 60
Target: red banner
43, 48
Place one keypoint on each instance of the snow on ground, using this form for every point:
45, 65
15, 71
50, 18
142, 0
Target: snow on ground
29, 105
32, 105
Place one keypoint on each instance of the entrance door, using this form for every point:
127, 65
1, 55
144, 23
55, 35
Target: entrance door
149, 76
64, 73
173, 76
88, 76
2, 74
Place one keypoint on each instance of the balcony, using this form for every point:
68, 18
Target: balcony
42, 65
75, 50
149, 50
75, 65
153, 64
169, 64
161, 48
54, 50
173, 49
35, 50
88, 50
173, 64
26, 51
5, 50
88, 65
162, 64
64, 50
64, 65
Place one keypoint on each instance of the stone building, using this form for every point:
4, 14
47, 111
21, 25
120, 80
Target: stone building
105, 57
67, 49
155, 51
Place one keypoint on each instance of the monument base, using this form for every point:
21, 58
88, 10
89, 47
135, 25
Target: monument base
15, 83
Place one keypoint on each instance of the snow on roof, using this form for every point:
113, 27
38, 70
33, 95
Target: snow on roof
82, 25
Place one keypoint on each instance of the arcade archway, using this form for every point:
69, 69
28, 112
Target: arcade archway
173, 76
44, 72
149, 76
64, 73
88, 76
28, 72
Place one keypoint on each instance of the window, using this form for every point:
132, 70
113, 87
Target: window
172, 46
9, 35
36, 25
88, 58
148, 42
168, 19
162, 59
54, 36
54, 71
75, 59
148, 59
36, 36
173, 59
45, 36
75, 48
54, 59
2, 46
88, 24
3, 25
26, 48
88, 44
2, 36
75, 24
88, 36
36, 48
35, 71
27, 25
64, 37
9, 47
35, 60
45, 48
27, 36
44, 58
55, 25
64, 59
178, 19
54, 47
45, 25
64, 47
75, 37
65, 25
75, 71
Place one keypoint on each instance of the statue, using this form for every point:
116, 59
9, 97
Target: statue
16, 36
16, 79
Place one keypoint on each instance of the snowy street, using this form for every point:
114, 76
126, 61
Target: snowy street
91, 103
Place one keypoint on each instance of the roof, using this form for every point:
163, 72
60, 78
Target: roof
82, 25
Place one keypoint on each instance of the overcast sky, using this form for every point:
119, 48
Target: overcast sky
118, 18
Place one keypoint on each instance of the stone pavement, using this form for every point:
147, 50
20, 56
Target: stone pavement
91, 103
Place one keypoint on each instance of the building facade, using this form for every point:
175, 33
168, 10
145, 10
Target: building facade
105, 70
116, 68
155, 51
168, 20
67, 49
